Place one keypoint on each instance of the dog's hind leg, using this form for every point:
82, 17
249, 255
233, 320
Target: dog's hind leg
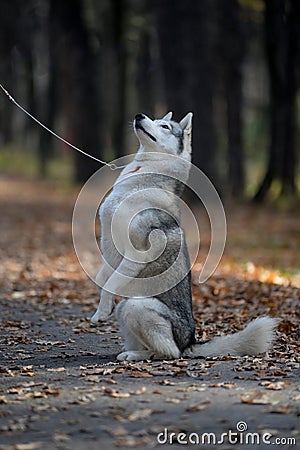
131, 342
146, 329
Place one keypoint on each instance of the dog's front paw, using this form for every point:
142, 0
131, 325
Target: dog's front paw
100, 316
134, 355
128, 356
105, 308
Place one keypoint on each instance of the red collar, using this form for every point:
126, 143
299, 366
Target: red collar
133, 170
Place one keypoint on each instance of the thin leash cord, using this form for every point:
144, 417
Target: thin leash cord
112, 166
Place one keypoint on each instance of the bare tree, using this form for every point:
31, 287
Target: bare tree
8, 38
187, 34
231, 43
282, 41
81, 79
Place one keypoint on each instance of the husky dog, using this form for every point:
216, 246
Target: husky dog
159, 324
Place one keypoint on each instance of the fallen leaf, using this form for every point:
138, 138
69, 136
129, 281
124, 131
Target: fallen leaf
136, 374
83, 399
117, 431
280, 409
115, 393
198, 407
140, 414
277, 386
29, 446
173, 400
59, 437
223, 384
259, 397
139, 391
52, 391
132, 441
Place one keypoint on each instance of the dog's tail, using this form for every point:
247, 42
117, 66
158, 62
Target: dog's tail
256, 338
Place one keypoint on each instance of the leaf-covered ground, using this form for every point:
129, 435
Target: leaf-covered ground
61, 386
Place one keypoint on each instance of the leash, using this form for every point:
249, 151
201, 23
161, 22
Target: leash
112, 166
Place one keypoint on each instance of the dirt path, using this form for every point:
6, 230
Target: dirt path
61, 387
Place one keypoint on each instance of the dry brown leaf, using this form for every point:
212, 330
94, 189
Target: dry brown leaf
140, 414
157, 391
191, 388
52, 391
198, 407
60, 437
285, 326
280, 409
277, 386
117, 431
165, 382
136, 374
29, 446
57, 369
83, 399
223, 384
132, 441
31, 394
51, 343
259, 397
114, 393
173, 400
28, 373
139, 391
93, 379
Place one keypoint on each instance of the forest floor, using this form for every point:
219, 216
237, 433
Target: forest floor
61, 386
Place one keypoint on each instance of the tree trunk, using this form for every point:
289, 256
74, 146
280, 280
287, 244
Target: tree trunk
118, 20
144, 74
288, 171
281, 47
8, 32
81, 80
169, 27
187, 39
232, 49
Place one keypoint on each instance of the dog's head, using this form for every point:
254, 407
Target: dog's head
165, 135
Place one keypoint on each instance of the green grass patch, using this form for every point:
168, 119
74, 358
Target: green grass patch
16, 161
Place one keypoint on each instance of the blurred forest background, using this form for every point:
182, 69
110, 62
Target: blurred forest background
85, 67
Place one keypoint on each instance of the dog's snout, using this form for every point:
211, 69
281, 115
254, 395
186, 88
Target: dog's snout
139, 117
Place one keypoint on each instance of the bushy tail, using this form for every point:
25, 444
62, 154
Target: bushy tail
256, 338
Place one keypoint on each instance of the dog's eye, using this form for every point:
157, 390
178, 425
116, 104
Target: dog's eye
166, 127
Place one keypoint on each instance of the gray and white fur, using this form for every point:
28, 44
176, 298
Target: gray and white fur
160, 326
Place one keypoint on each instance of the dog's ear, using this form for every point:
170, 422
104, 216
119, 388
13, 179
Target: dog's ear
186, 125
186, 122
168, 116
